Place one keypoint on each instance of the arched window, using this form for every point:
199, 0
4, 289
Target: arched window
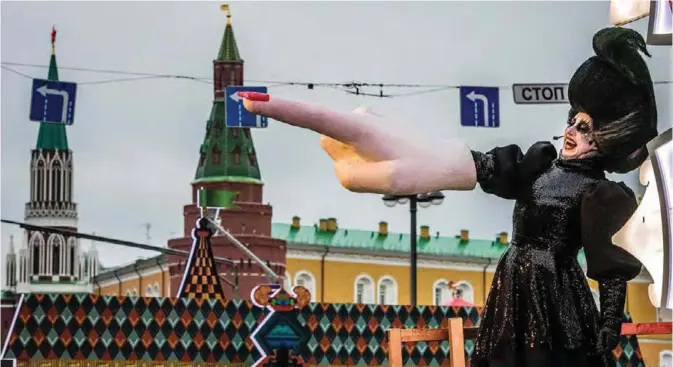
236, 155
56, 179
441, 292
148, 291
216, 155
387, 291
364, 289
666, 358
464, 290
155, 290
307, 280
36, 247
597, 298
57, 247
40, 179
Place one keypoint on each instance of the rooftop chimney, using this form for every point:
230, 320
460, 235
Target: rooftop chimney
464, 235
296, 222
383, 228
425, 232
502, 238
332, 224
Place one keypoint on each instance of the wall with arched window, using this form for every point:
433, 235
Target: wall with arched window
307, 280
666, 358
363, 289
441, 292
387, 291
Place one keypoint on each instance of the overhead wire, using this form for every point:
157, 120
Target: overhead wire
352, 87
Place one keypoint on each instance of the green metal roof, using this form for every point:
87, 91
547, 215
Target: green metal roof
393, 242
52, 136
237, 157
228, 48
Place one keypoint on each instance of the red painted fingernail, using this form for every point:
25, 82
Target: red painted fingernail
255, 96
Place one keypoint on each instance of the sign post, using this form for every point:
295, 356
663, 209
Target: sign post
540, 93
53, 102
236, 115
480, 106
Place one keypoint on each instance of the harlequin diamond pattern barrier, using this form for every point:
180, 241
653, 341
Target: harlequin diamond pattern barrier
91, 328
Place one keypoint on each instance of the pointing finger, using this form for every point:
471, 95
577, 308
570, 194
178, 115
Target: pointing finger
344, 127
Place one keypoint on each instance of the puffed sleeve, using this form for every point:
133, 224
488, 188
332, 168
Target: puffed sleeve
503, 171
606, 209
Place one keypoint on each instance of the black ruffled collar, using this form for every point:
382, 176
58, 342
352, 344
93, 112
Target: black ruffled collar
591, 166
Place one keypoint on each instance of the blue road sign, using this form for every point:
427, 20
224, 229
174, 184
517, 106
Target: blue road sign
236, 114
480, 106
53, 102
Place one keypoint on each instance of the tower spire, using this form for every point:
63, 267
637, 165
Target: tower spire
228, 47
227, 154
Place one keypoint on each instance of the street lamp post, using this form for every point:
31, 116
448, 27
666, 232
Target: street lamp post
424, 201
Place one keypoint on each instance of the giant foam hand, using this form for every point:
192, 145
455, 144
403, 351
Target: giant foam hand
370, 155
642, 235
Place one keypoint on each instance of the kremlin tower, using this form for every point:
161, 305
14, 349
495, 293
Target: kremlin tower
47, 262
227, 161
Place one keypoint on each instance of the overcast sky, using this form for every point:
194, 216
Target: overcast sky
136, 144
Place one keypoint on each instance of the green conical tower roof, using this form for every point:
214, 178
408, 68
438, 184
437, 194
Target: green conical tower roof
52, 136
228, 48
227, 154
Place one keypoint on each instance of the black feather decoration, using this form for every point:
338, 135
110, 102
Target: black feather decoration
620, 48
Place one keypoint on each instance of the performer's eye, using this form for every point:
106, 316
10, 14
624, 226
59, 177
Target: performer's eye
583, 127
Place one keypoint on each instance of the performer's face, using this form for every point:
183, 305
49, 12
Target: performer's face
577, 142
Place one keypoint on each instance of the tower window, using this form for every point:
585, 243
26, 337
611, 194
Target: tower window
234, 133
56, 258
252, 159
40, 180
202, 158
218, 128
72, 261
236, 155
36, 259
216, 155
246, 132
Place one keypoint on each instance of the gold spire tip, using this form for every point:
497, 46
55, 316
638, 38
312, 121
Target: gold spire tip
225, 8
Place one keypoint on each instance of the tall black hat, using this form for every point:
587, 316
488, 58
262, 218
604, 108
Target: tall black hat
615, 89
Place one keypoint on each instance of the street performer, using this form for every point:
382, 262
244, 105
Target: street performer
540, 311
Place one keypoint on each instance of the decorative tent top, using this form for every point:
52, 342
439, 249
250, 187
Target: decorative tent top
201, 279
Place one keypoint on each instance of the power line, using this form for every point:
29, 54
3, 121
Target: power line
353, 87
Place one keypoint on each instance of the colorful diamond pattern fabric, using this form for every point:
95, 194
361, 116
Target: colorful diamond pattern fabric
211, 331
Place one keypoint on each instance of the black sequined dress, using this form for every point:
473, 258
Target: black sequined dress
540, 311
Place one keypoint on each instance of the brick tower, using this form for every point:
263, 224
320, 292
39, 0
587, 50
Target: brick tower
227, 161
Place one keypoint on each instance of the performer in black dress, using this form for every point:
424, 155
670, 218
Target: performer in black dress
540, 311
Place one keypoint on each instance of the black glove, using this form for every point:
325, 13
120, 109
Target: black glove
612, 299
